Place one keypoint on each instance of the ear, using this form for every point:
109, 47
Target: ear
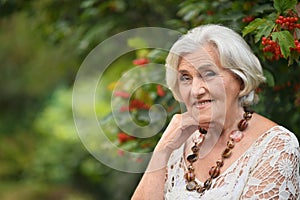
240, 80
242, 83
243, 92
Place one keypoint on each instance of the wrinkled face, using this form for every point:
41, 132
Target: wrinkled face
209, 91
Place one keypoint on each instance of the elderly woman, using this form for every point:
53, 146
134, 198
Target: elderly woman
219, 148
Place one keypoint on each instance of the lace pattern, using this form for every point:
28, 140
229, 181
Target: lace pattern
269, 169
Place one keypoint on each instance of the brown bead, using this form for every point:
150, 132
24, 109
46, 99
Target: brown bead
200, 189
230, 144
202, 130
236, 136
226, 153
214, 172
242, 124
207, 184
191, 168
189, 176
247, 115
220, 162
192, 158
195, 149
190, 186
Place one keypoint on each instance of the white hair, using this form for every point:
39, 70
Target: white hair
234, 54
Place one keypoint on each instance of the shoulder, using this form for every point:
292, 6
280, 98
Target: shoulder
275, 166
281, 135
263, 127
279, 141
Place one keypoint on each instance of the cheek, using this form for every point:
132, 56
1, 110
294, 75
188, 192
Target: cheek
230, 95
217, 89
184, 92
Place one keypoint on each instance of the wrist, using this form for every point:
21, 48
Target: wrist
159, 159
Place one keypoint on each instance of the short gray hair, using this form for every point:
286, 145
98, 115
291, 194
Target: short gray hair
234, 54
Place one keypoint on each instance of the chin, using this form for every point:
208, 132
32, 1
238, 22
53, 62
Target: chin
202, 117
209, 119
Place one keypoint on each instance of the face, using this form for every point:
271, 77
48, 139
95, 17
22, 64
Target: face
209, 91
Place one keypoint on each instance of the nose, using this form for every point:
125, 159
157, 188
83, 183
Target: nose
198, 87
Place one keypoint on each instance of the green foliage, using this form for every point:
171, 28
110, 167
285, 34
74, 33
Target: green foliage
55, 157
139, 104
281, 34
285, 40
284, 5
88, 22
30, 70
61, 158
263, 29
10, 7
15, 153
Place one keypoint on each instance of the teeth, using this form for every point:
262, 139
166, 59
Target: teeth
204, 102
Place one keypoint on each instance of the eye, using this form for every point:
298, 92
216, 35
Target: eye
208, 74
185, 77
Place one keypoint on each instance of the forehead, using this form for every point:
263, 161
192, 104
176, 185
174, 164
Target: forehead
203, 57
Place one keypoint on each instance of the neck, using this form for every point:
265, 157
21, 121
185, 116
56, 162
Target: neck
231, 121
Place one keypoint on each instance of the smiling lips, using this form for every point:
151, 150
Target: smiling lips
202, 103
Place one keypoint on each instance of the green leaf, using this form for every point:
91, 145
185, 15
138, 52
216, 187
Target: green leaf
269, 78
129, 145
284, 5
137, 43
233, 16
262, 8
188, 9
294, 57
143, 115
191, 15
253, 26
157, 55
285, 41
264, 30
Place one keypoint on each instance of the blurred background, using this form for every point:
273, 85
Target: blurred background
42, 45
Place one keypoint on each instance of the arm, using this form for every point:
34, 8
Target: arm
276, 175
152, 183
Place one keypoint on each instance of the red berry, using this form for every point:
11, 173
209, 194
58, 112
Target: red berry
123, 137
141, 61
122, 94
160, 91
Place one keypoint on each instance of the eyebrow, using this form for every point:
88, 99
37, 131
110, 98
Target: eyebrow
183, 71
205, 66
199, 68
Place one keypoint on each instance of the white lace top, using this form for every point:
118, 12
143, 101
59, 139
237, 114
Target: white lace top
269, 169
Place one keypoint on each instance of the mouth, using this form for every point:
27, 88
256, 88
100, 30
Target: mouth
202, 103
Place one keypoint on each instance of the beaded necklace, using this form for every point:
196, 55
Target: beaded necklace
214, 172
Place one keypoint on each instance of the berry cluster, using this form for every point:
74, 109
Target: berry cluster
297, 46
248, 19
271, 47
289, 23
274, 48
